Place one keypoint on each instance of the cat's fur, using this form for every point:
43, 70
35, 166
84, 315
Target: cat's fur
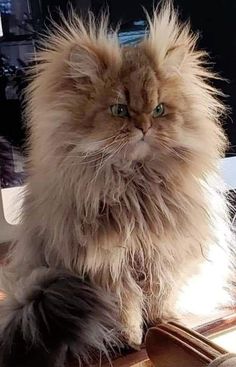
133, 216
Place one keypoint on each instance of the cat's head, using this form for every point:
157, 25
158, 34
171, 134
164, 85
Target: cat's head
103, 103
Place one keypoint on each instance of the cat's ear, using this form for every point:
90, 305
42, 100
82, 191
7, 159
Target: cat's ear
176, 57
170, 44
84, 62
91, 61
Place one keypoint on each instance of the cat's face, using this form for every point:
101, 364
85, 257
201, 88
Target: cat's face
125, 104
134, 112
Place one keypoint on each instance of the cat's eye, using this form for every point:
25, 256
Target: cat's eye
159, 110
119, 110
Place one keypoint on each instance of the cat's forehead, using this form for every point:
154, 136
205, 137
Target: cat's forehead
139, 80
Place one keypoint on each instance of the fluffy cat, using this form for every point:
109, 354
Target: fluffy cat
118, 207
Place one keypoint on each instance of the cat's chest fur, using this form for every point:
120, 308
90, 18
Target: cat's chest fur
143, 221
138, 209
131, 228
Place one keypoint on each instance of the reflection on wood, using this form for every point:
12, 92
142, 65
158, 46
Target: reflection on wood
135, 359
219, 325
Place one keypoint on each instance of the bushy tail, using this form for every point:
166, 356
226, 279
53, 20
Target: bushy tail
52, 315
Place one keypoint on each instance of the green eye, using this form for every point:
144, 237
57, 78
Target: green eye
159, 110
119, 110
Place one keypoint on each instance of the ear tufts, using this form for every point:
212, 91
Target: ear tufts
168, 40
95, 51
80, 47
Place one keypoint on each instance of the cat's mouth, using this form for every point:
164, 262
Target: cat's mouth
145, 139
140, 137
139, 149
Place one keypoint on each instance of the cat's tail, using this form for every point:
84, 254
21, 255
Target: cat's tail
54, 315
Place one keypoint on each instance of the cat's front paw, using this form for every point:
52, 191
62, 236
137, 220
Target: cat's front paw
133, 336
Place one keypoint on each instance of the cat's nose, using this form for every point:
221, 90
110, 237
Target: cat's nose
144, 125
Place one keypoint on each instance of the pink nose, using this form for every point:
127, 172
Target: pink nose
143, 124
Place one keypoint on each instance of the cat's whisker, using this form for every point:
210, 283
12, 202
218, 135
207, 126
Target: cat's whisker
88, 153
115, 139
102, 158
104, 152
119, 148
96, 154
99, 159
174, 152
103, 161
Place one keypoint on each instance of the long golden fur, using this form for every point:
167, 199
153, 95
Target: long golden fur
131, 212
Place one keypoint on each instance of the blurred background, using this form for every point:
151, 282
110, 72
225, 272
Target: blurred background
22, 21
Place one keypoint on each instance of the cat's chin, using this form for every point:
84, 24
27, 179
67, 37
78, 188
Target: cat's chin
139, 151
